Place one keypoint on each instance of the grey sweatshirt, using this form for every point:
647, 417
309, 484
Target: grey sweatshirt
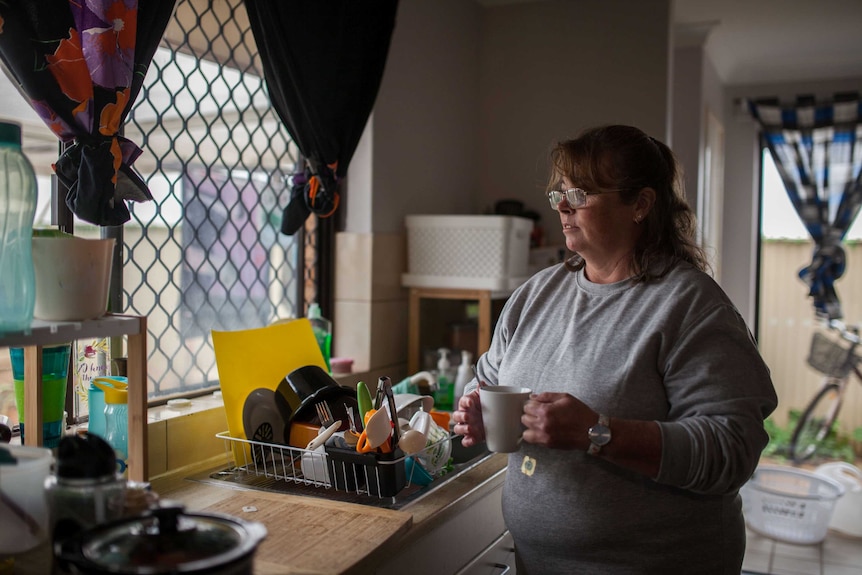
675, 351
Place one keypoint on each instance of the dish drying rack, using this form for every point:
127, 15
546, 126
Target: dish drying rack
338, 469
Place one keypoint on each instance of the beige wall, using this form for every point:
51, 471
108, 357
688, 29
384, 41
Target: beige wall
471, 100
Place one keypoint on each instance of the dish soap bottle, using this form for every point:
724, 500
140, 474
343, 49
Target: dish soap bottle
322, 329
465, 374
17, 210
444, 395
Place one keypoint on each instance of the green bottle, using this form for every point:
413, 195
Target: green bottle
322, 329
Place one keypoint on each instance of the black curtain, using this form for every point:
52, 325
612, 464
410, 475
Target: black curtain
81, 65
323, 61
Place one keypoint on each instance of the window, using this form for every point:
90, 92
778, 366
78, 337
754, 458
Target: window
206, 253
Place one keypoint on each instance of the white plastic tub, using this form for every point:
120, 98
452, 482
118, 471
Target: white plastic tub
467, 252
23, 486
789, 505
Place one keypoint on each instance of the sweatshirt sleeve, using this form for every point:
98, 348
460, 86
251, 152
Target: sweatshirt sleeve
719, 393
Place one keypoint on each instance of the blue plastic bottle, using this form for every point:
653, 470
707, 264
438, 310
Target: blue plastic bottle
17, 210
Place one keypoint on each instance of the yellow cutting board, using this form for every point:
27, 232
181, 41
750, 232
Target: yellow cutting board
260, 358
310, 535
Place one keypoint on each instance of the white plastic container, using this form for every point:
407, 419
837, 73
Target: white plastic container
23, 484
789, 505
72, 277
848, 511
467, 252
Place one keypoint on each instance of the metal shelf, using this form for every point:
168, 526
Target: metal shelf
44, 333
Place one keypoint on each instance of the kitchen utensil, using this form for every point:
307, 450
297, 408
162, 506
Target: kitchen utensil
412, 442
406, 404
421, 422
416, 474
386, 384
314, 465
87, 490
437, 451
378, 426
309, 385
363, 399
164, 540
324, 413
265, 417
302, 432
323, 436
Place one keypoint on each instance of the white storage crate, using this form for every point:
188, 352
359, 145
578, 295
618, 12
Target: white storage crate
469, 252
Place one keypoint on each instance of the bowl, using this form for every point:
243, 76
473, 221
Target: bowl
406, 404
72, 277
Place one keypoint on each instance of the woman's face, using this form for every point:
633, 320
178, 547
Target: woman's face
603, 231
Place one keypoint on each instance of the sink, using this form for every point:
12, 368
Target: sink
265, 476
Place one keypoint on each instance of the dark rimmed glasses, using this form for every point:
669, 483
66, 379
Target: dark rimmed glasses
575, 197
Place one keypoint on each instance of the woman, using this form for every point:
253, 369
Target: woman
649, 393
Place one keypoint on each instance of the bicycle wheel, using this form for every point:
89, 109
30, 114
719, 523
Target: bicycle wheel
816, 422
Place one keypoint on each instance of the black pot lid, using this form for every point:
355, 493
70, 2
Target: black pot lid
166, 540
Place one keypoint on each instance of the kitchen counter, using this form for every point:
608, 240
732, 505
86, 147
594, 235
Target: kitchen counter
304, 531
313, 535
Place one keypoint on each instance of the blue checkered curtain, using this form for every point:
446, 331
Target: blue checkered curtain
816, 148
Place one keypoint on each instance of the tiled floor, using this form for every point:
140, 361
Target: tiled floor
842, 555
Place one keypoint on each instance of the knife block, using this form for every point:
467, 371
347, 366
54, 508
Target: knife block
380, 474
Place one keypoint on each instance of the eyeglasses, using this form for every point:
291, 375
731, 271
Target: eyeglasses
575, 197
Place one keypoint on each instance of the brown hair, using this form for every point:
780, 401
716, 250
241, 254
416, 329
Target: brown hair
625, 158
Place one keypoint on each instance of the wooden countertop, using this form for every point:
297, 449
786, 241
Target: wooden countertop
312, 535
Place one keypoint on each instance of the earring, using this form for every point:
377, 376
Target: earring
638, 219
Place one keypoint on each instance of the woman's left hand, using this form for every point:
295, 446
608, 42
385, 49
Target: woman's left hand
557, 420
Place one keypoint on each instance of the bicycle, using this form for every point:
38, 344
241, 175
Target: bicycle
836, 362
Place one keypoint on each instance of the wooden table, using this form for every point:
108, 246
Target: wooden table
417, 294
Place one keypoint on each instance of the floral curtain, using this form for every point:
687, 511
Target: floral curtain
817, 148
81, 64
323, 61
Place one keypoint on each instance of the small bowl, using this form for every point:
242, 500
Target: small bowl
406, 404
416, 474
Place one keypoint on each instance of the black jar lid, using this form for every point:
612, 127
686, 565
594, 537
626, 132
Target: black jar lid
85, 456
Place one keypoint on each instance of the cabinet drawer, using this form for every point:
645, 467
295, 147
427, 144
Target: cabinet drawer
498, 558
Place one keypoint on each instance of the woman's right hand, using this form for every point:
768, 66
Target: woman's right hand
468, 419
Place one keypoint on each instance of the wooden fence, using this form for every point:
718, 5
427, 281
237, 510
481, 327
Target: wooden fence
787, 323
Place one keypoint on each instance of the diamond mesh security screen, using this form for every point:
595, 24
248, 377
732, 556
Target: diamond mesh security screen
207, 253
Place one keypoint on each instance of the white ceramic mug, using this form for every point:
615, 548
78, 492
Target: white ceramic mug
502, 407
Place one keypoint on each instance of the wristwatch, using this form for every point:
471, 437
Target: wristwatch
599, 434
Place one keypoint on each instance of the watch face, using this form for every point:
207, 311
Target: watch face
600, 434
